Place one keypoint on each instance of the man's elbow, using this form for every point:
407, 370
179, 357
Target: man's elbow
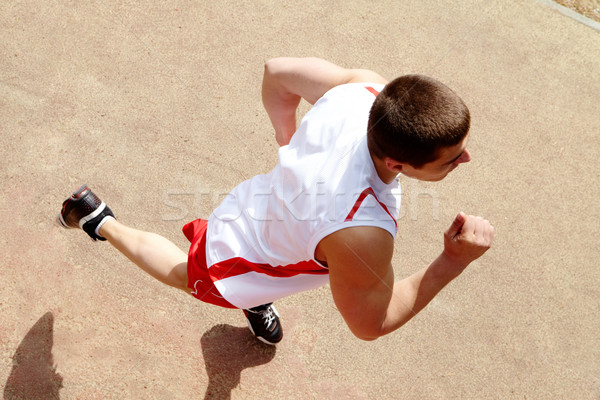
275, 65
367, 338
369, 333
366, 334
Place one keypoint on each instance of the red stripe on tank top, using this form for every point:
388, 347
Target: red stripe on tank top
361, 198
370, 89
239, 266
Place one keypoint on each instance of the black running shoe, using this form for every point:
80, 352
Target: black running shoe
86, 211
263, 322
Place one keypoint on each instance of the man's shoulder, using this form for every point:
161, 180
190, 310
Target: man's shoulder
362, 233
369, 245
354, 89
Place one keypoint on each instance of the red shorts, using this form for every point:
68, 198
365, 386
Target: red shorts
199, 279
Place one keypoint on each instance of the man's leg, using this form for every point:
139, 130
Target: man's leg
153, 253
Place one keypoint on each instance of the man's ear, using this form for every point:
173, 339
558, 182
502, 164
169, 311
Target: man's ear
393, 165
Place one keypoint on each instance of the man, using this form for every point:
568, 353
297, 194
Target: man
327, 212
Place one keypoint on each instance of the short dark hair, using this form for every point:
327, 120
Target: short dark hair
415, 116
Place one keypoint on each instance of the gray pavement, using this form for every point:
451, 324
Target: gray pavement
157, 107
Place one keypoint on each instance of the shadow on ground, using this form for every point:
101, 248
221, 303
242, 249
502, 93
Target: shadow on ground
34, 375
228, 350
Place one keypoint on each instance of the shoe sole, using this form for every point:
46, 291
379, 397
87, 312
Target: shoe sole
59, 218
60, 222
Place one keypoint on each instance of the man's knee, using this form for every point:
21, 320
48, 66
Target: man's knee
180, 277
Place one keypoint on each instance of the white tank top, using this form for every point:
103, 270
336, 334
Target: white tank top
261, 240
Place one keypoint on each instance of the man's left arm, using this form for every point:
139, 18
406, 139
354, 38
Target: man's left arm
362, 281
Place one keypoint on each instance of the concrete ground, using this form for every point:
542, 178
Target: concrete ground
158, 108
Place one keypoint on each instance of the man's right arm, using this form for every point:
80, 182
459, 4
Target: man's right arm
287, 80
362, 282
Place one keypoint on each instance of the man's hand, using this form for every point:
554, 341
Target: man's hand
467, 239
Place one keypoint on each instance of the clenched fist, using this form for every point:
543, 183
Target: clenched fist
467, 239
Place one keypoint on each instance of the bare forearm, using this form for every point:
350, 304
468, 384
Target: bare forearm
413, 293
286, 80
281, 107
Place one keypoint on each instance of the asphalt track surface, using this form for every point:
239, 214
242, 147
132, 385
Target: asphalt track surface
158, 108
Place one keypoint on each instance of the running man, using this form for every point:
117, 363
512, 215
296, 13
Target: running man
328, 211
